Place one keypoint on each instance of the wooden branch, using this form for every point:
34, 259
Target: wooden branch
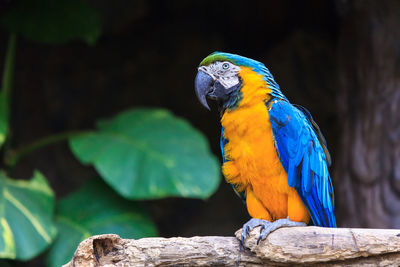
311, 245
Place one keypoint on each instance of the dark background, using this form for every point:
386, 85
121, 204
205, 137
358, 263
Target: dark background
148, 55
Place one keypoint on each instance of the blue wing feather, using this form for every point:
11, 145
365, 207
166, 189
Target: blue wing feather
303, 154
223, 141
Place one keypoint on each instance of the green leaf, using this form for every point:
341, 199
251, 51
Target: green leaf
26, 217
49, 21
95, 209
3, 118
148, 154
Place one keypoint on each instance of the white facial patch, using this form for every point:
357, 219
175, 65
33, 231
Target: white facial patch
224, 72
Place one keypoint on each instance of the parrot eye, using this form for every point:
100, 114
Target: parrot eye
225, 66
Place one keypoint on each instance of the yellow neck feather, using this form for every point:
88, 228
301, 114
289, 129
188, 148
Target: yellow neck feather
254, 88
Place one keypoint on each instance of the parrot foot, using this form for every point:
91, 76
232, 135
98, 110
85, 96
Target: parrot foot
266, 229
250, 225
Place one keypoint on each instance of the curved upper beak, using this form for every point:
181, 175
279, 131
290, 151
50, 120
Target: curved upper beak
203, 86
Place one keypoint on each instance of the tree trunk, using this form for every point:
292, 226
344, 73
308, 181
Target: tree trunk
367, 174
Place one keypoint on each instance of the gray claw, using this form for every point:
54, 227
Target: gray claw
267, 229
250, 225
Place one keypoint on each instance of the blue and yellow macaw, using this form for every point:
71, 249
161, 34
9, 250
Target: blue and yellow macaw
274, 154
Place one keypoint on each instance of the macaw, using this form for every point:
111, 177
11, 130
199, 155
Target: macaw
274, 153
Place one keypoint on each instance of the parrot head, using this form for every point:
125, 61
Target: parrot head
219, 78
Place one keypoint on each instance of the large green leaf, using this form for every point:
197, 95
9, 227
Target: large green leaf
95, 209
148, 154
49, 21
26, 217
3, 118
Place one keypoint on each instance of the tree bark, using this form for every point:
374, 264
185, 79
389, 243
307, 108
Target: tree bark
367, 174
314, 246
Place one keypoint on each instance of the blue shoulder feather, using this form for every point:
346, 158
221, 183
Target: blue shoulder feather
298, 144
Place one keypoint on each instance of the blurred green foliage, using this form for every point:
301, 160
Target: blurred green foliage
140, 153
149, 154
6, 85
3, 118
104, 212
26, 217
49, 21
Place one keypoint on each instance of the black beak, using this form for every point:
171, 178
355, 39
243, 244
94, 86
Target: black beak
203, 85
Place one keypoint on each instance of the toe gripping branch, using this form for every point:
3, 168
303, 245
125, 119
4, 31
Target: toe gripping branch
267, 227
